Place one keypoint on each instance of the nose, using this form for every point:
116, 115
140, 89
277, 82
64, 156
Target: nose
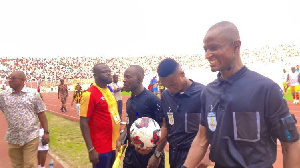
208, 54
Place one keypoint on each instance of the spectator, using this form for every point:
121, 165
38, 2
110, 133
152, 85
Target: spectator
117, 93
23, 109
284, 81
77, 97
161, 87
294, 85
63, 94
153, 84
42, 150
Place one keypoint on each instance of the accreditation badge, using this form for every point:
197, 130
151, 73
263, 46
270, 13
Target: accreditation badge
116, 116
127, 119
171, 118
212, 121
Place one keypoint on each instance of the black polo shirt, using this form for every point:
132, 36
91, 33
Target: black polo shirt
182, 115
146, 104
239, 115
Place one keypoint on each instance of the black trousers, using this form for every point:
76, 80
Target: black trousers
177, 157
133, 159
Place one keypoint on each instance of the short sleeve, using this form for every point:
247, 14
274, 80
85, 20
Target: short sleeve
278, 110
86, 107
40, 106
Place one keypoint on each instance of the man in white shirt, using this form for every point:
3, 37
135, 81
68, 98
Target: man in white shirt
23, 109
117, 93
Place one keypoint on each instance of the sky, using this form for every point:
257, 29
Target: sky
132, 28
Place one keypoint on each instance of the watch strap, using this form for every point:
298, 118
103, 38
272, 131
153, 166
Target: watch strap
158, 154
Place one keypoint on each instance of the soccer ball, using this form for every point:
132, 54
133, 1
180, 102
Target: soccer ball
145, 132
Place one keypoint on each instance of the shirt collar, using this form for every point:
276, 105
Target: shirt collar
188, 92
137, 96
24, 89
234, 77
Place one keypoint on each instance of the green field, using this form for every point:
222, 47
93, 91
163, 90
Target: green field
288, 96
126, 93
67, 143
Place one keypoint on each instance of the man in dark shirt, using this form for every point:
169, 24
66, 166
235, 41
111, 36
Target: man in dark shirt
181, 108
243, 112
142, 103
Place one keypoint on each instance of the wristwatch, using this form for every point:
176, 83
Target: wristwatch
157, 154
46, 132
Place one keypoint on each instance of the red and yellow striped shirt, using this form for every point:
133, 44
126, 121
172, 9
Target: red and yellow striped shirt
100, 106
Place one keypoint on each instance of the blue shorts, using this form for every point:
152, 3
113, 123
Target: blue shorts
106, 160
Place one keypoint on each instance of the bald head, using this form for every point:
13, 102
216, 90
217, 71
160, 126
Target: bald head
98, 66
16, 80
20, 74
222, 48
226, 29
133, 79
102, 74
138, 70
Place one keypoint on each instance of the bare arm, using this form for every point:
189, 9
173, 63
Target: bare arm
291, 154
44, 122
67, 90
164, 132
198, 148
85, 130
119, 140
154, 161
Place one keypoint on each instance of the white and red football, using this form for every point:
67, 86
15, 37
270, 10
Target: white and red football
145, 132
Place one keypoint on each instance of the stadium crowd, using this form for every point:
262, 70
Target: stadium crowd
73, 68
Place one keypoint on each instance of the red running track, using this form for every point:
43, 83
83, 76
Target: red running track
53, 105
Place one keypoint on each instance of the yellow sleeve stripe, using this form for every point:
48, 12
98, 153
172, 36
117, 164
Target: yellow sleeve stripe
84, 104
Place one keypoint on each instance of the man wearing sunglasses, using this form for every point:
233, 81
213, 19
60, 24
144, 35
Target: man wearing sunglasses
23, 109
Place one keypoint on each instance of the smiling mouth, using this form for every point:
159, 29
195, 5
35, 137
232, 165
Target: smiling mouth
212, 62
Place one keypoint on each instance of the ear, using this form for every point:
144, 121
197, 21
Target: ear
182, 74
237, 44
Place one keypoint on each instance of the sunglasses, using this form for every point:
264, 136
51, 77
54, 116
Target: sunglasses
12, 78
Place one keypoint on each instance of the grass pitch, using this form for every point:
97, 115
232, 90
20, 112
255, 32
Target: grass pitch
67, 142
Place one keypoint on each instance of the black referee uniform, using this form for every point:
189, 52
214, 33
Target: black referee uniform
146, 104
182, 115
242, 117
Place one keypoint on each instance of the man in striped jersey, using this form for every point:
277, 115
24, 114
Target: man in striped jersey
294, 84
99, 119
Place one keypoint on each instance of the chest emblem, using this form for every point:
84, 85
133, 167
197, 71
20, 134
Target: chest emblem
212, 119
171, 118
